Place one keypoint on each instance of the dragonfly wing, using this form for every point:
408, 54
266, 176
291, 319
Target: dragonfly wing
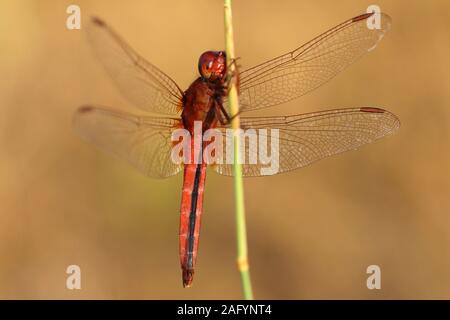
302, 70
139, 81
143, 141
306, 138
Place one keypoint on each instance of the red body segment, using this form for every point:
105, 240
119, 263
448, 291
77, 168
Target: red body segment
186, 202
201, 102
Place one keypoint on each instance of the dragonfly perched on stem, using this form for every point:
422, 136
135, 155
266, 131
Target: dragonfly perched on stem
146, 141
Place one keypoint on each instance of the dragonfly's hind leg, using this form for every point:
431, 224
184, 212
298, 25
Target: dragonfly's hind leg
225, 118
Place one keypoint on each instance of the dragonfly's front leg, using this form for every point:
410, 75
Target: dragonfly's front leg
223, 86
232, 75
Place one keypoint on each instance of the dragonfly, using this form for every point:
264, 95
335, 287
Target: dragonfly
146, 141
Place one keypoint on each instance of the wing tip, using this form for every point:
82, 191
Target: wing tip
395, 120
79, 116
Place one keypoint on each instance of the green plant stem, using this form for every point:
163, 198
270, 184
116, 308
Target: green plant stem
241, 231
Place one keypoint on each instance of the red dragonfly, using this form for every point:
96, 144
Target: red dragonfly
145, 141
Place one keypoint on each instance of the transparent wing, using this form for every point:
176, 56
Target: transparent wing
139, 81
304, 69
306, 138
143, 141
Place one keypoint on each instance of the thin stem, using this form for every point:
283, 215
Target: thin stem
233, 101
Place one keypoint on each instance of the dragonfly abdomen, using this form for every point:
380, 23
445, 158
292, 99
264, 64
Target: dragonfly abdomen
190, 218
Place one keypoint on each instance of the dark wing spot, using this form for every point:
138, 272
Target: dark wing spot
85, 109
362, 17
98, 21
372, 109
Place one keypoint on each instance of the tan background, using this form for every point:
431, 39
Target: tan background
312, 232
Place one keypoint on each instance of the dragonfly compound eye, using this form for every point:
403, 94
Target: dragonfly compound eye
211, 65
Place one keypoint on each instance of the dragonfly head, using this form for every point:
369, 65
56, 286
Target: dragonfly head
212, 65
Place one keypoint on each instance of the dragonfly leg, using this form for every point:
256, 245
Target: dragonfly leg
234, 116
221, 113
222, 121
233, 74
225, 114
234, 62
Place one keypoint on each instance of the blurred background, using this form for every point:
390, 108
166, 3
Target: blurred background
312, 232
